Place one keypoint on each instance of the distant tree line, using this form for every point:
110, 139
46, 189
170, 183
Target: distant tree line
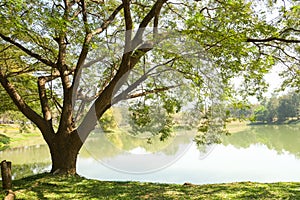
277, 109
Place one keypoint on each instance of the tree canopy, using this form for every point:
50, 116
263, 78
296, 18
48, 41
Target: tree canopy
162, 56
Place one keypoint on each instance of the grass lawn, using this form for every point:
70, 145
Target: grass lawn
10, 137
46, 186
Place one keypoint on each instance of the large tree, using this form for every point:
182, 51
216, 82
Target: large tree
136, 49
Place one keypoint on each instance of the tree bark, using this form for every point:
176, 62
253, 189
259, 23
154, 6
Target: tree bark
64, 150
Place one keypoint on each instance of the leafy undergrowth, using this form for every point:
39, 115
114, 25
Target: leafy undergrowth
46, 186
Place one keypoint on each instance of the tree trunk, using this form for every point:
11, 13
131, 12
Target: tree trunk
64, 150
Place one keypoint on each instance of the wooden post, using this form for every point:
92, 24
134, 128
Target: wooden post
6, 175
7, 180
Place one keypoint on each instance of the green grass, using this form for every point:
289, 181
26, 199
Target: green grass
46, 186
10, 137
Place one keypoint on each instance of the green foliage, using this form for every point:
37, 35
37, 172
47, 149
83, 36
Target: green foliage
153, 118
238, 110
260, 114
223, 34
288, 107
18, 67
209, 45
107, 121
278, 109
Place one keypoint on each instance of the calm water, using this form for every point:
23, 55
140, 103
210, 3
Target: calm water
262, 154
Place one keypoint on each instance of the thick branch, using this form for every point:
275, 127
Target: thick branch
27, 51
84, 49
104, 101
128, 24
66, 122
44, 100
87, 39
24, 108
155, 23
153, 12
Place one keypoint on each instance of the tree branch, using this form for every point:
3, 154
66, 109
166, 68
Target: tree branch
44, 101
289, 30
273, 39
104, 101
106, 23
23, 71
25, 109
128, 24
88, 37
84, 49
66, 122
27, 51
124, 94
154, 10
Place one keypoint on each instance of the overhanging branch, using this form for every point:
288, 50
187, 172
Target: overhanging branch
25, 109
27, 51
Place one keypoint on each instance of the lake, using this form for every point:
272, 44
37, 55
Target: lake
260, 154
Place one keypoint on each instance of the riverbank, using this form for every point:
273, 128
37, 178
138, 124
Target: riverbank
47, 186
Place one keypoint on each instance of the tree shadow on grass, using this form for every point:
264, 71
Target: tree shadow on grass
46, 186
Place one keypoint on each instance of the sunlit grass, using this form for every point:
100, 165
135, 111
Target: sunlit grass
16, 139
46, 186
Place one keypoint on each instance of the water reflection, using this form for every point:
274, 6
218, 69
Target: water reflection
262, 153
128, 154
284, 138
24, 170
27, 160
